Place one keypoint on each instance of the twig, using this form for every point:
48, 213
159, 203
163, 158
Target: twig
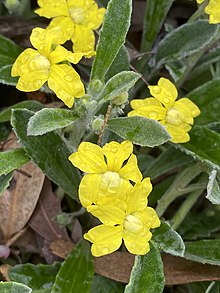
104, 124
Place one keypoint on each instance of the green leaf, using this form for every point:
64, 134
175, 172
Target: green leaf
121, 63
214, 287
207, 98
139, 130
5, 115
155, 14
49, 152
35, 276
13, 287
77, 272
213, 190
188, 39
169, 240
204, 251
147, 273
5, 76
112, 36
9, 51
47, 120
204, 145
11, 160
104, 285
119, 84
163, 164
4, 181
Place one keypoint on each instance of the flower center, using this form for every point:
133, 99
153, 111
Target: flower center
132, 224
110, 182
77, 15
39, 62
173, 117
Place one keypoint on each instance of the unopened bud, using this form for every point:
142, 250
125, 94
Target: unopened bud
120, 100
97, 124
12, 5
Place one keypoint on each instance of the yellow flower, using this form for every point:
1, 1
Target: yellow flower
35, 67
108, 173
213, 9
176, 116
130, 220
77, 19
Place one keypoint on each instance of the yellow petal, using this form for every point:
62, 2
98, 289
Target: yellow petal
29, 60
137, 245
200, 1
138, 198
178, 135
89, 189
110, 211
137, 103
83, 39
89, 158
65, 25
165, 92
66, 83
131, 171
190, 106
105, 239
61, 54
50, 8
32, 81
117, 153
149, 218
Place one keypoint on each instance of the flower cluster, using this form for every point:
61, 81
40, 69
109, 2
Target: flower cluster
76, 18
176, 116
114, 192
49, 61
213, 9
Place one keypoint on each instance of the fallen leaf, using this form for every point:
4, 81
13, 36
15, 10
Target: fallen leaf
61, 247
18, 202
4, 269
43, 219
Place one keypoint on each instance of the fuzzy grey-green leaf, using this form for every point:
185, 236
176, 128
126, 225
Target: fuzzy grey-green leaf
11, 160
47, 120
112, 36
139, 130
169, 240
213, 190
49, 152
4, 181
119, 84
13, 287
76, 273
147, 273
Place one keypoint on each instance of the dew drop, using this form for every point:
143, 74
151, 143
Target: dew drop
166, 100
105, 250
114, 149
156, 89
168, 94
24, 58
37, 83
68, 77
153, 115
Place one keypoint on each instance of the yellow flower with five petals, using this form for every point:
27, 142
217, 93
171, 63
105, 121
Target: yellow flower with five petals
176, 116
129, 220
213, 9
77, 19
108, 174
35, 67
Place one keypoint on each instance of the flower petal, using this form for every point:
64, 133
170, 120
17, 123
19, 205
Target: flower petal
32, 81
165, 92
137, 199
42, 40
188, 105
138, 103
66, 83
83, 39
178, 135
149, 217
105, 239
65, 25
116, 153
131, 171
89, 158
89, 189
61, 54
137, 245
110, 211
50, 8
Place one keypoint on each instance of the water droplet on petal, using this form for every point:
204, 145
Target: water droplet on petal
37, 83
156, 89
139, 112
24, 58
168, 94
114, 149
153, 115
166, 100
68, 77
105, 250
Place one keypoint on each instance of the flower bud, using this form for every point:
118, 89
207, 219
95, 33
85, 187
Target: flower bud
120, 100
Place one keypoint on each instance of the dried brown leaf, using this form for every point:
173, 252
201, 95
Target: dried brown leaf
18, 202
42, 220
4, 269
